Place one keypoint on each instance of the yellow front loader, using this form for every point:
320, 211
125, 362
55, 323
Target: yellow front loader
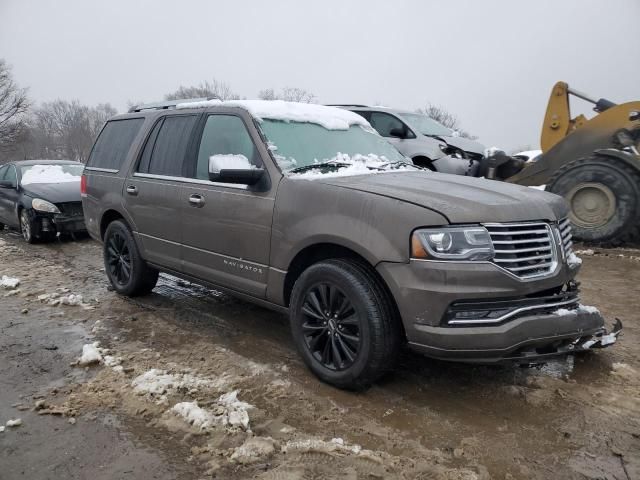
593, 163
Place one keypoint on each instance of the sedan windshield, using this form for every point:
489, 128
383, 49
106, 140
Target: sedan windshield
51, 173
298, 146
426, 125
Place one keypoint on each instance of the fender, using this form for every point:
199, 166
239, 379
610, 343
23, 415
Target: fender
626, 157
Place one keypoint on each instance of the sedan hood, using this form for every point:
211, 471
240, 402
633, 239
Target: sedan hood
465, 144
460, 199
54, 192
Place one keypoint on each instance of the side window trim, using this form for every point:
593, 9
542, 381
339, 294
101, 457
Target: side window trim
15, 175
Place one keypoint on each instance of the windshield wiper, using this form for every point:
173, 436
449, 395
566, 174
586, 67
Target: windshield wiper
313, 166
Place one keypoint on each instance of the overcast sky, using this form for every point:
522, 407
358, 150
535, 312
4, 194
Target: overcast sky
491, 62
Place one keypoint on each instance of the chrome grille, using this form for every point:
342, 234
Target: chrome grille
565, 236
527, 250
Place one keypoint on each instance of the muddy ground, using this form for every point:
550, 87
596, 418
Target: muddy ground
161, 403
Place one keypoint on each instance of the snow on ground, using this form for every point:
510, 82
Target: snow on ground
159, 383
63, 297
9, 283
253, 449
237, 162
588, 252
227, 411
48, 174
90, 354
331, 118
14, 423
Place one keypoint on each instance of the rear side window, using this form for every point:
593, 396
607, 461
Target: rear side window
113, 143
165, 151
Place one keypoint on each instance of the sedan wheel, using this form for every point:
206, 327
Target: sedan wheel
25, 227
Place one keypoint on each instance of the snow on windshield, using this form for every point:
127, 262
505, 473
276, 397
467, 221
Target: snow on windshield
232, 162
347, 165
331, 118
51, 174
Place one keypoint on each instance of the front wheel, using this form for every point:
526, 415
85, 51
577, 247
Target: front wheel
26, 227
344, 323
604, 199
128, 273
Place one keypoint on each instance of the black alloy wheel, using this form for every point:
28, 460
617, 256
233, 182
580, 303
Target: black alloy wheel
119, 259
332, 326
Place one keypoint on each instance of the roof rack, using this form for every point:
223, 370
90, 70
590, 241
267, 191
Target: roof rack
166, 105
344, 105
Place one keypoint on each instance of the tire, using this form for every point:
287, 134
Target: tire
128, 273
366, 333
27, 227
604, 199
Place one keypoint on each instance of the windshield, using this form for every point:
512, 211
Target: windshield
51, 173
296, 145
426, 125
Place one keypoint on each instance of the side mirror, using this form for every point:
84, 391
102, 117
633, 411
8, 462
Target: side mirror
233, 169
5, 184
398, 132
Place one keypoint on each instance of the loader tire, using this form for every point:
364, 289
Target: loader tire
604, 199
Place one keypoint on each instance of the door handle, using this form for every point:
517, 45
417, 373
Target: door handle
196, 200
132, 190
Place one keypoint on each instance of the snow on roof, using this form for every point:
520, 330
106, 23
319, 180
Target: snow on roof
331, 118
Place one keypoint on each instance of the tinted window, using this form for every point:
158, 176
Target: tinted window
384, 123
113, 144
145, 158
224, 135
170, 146
366, 115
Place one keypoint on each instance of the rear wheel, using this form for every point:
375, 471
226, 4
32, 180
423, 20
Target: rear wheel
344, 323
128, 273
604, 199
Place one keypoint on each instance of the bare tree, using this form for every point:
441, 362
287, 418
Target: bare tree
13, 107
446, 118
206, 89
289, 94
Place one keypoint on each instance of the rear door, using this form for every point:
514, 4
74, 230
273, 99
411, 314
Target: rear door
153, 193
227, 233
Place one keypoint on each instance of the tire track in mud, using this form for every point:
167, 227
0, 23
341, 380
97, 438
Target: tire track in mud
468, 421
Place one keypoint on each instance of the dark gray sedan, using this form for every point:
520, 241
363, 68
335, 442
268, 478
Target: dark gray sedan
41, 198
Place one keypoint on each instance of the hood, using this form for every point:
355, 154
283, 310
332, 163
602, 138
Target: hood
465, 144
54, 192
460, 199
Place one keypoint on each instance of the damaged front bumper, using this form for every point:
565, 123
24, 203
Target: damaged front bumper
53, 223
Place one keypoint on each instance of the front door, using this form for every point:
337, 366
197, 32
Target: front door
153, 192
9, 196
227, 228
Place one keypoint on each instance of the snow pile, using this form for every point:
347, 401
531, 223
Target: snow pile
563, 311
14, 423
227, 411
337, 445
59, 298
48, 174
233, 162
253, 449
356, 165
330, 118
159, 383
581, 309
9, 283
90, 354
195, 416
573, 260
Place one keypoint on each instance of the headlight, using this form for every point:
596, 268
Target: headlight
44, 206
452, 243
